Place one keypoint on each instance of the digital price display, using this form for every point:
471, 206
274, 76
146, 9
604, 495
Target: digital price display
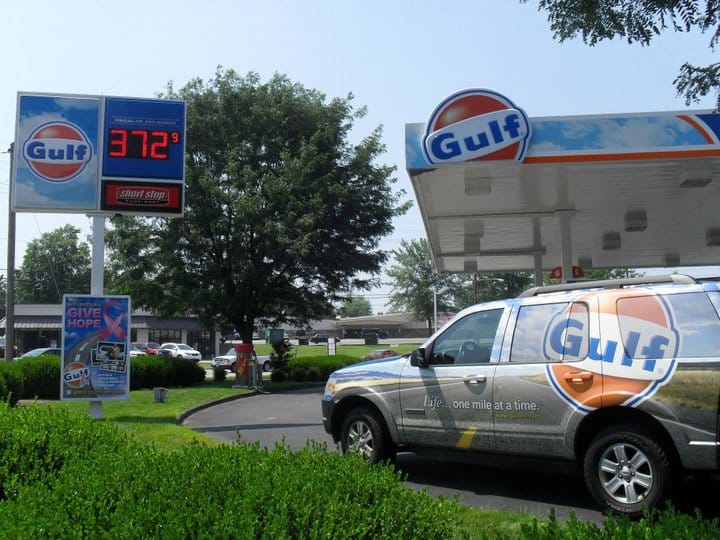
141, 143
144, 139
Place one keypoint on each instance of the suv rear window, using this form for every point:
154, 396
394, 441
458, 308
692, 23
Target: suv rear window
692, 318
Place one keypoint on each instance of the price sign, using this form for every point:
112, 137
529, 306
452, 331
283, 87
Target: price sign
143, 139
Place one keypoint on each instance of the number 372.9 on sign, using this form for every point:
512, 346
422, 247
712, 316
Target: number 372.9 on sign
141, 143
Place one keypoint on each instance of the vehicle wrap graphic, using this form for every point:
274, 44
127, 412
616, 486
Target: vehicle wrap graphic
633, 354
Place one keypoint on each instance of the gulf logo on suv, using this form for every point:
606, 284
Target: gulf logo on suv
57, 151
476, 124
633, 355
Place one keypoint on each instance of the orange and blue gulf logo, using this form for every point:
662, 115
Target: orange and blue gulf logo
476, 125
57, 151
76, 375
633, 355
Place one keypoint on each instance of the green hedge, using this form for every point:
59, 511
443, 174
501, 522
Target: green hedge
104, 485
39, 377
325, 364
12, 382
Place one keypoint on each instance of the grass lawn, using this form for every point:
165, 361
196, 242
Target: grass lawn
157, 423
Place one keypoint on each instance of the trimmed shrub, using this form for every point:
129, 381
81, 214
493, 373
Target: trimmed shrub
313, 374
103, 484
219, 374
278, 375
186, 372
12, 382
151, 371
297, 374
41, 377
38, 441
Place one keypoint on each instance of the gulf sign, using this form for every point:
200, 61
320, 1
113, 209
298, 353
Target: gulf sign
57, 151
622, 362
476, 125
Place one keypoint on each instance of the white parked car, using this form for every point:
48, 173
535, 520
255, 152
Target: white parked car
180, 350
229, 359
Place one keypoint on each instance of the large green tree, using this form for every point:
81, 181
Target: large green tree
355, 306
415, 286
55, 264
639, 21
282, 213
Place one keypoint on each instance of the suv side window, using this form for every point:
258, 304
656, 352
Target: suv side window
550, 333
694, 320
469, 340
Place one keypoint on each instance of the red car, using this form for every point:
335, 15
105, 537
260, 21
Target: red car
380, 353
148, 347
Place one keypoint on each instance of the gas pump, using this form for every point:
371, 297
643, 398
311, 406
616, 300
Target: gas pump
244, 357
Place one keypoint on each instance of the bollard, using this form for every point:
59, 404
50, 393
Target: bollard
159, 394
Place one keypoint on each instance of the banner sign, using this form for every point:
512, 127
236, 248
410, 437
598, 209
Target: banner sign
71, 149
95, 348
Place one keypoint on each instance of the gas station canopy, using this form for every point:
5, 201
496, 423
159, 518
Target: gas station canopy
499, 191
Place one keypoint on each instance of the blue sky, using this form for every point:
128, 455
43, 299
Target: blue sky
397, 57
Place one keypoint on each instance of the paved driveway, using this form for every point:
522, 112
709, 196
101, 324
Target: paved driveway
292, 416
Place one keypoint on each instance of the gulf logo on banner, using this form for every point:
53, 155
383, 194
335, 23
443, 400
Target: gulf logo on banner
634, 355
478, 125
57, 151
76, 375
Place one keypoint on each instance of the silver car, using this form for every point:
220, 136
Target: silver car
180, 351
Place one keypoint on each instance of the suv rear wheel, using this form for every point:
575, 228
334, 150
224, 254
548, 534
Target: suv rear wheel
363, 432
627, 470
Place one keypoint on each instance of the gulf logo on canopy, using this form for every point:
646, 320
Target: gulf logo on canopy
57, 151
478, 125
633, 355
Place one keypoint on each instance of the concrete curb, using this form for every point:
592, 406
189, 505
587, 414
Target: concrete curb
183, 415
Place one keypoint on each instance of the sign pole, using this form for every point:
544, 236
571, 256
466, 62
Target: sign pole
10, 289
97, 282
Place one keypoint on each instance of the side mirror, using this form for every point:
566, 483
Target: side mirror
417, 358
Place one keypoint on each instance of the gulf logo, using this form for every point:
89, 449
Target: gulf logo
476, 125
57, 151
76, 375
633, 355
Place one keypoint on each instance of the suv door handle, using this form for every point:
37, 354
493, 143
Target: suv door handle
578, 376
475, 379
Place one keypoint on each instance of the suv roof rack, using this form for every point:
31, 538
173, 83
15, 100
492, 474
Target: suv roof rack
676, 279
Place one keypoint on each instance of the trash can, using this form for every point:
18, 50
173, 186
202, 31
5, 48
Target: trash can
274, 335
159, 394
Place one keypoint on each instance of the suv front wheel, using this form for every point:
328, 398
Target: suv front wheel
627, 470
363, 432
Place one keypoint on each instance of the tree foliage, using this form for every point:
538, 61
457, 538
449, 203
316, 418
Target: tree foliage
355, 306
417, 288
57, 263
639, 21
282, 213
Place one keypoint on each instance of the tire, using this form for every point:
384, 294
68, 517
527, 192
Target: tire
363, 432
179, 357
626, 470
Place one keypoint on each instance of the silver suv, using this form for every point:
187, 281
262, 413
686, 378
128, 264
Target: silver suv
621, 377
